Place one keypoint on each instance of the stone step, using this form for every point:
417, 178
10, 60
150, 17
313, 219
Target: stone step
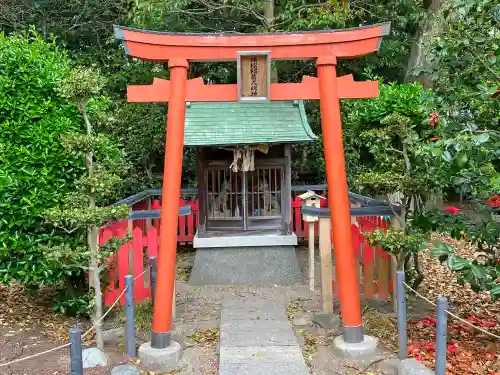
268, 265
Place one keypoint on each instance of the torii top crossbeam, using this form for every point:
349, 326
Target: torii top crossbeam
253, 52
162, 46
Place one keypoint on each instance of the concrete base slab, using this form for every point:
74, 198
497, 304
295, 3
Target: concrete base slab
366, 348
161, 360
246, 266
326, 321
409, 366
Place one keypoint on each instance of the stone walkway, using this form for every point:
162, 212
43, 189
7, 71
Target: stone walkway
256, 338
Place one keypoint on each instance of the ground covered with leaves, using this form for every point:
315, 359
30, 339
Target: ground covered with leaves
470, 351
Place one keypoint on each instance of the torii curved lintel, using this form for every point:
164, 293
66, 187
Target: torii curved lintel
162, 46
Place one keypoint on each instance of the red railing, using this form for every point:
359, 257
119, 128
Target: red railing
132, 257
374, 263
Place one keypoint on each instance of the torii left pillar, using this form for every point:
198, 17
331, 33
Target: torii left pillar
171, 191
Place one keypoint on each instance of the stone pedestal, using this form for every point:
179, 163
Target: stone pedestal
360, 350
161, 360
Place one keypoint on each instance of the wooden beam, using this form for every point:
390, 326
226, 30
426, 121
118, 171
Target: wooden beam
197, 91
163, 46
325, 252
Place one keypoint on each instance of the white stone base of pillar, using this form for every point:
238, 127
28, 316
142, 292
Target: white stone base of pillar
364, 349
160, 360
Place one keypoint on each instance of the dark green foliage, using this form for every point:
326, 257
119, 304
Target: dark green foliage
72, 305
35, 170
389, 137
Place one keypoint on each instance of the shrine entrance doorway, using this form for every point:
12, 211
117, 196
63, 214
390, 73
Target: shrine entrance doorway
249, 199
246, 200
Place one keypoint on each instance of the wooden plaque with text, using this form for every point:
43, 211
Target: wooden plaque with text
254, 76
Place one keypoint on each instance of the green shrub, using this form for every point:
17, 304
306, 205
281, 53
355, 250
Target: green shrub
35, 170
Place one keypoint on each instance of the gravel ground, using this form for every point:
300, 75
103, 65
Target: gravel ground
195, 328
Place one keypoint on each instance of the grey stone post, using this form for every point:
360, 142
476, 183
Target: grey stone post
129, 314
75, 351
441, 325
152, 263
402, 332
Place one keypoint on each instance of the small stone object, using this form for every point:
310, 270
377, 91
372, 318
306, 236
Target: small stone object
126, 370
94, 357
111, 336
302, 319
326, 321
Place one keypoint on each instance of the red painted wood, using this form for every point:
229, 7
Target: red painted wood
142, 238
298, 223
152, 242
191, 222
123, 263
211, 42
195, 210
109, 291
138, 263
368, 262
309, 45
156, 206
182, 236
198, 91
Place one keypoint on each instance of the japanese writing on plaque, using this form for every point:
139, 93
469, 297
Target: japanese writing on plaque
253, 76
253, 79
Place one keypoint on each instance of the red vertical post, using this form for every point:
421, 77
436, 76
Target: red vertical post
171, 191
338, 200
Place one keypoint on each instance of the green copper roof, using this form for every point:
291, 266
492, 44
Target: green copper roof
240, 123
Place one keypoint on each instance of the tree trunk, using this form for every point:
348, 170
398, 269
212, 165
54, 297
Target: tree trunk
269, 14
92, 236
92, 243
424, 33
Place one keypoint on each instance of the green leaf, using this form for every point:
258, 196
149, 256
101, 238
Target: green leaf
447, 156
441, 251
461, 159
481, 138
478, 271
456, 263
495, 291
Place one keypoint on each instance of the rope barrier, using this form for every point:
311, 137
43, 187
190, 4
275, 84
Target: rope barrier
105, 314
35, 355
451, 314
83, 336
114, 304
142, 273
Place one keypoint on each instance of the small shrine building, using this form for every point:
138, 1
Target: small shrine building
243, 168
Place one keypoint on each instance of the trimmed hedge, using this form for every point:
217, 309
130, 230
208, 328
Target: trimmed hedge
35, 171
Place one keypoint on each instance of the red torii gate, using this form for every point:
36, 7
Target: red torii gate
323, 46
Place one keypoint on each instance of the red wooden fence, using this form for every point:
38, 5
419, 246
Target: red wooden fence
132, 257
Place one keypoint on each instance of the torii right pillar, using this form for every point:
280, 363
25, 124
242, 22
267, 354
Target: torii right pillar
338, 200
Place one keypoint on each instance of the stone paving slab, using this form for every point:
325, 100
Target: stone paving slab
256, 338
252, 303
267, 313
264, 368
255, 325
256, 354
